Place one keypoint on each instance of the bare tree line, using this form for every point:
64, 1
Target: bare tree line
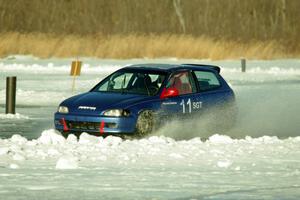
226, 19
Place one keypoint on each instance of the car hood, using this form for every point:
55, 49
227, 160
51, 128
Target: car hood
96, 102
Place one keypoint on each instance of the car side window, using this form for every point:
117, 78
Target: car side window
183, 82
207, 80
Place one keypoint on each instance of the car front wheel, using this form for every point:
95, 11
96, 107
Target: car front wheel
145, 123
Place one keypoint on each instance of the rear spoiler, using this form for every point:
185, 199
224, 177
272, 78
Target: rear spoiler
213, 67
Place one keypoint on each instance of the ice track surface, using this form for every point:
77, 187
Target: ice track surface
157, 167
257, 159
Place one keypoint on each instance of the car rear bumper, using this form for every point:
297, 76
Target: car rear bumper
94, 125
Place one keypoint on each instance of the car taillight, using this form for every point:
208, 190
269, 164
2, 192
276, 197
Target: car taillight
169, 92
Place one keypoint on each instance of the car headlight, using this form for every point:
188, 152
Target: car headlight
116, 113
63, 109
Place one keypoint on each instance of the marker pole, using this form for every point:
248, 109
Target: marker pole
243, 64
11, 85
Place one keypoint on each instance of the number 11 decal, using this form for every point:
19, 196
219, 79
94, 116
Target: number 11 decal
188, 103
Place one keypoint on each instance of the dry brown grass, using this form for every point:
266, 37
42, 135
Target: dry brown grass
139, 46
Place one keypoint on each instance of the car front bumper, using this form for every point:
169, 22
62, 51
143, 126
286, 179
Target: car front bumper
95, 125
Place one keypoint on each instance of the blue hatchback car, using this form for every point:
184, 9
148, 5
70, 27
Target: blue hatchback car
137, 98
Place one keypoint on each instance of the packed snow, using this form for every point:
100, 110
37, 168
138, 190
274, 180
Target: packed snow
257, 159
157, 167
13, 116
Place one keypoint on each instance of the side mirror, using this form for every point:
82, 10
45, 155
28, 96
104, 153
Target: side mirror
169, 92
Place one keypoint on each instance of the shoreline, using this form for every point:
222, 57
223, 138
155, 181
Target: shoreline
133, 46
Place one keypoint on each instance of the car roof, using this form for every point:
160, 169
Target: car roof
174, 67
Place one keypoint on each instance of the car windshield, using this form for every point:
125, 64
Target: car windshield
144, 83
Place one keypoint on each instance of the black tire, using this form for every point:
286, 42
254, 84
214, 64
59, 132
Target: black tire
145, 123
64, 134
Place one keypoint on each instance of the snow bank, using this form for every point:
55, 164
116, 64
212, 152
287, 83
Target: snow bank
13, 116
218, 151
52, 68
263, 70
166, 166
31, 98
220, 139
51, 137
67, 162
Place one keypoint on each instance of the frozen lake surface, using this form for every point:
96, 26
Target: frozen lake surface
257, 159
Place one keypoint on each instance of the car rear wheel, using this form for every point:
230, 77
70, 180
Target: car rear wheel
145, 123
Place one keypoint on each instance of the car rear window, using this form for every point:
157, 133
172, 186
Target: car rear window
207, 80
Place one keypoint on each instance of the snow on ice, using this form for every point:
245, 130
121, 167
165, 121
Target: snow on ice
155, 167
13, 116
218, 151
